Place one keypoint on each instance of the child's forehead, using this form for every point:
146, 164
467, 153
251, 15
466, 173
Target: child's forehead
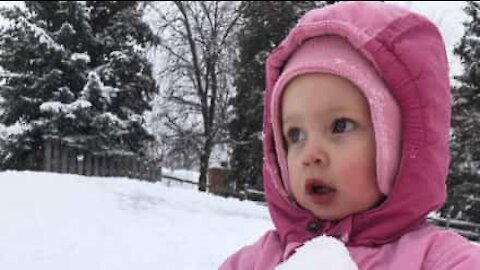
322, 96
322, 82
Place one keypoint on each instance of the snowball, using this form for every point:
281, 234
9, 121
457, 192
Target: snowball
323, 252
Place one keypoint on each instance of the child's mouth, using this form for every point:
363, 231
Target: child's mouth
319, 192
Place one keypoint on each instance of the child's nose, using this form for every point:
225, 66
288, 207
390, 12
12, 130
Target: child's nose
314, 154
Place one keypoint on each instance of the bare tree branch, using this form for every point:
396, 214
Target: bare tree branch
182, 101
198, 73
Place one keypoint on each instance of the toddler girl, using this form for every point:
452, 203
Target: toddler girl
356, 125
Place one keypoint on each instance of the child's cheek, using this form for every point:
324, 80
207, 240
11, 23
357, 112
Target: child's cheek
357, 171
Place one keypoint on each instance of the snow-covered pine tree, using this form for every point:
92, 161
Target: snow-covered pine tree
77, 71
464, 176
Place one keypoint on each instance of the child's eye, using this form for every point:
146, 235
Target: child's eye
295, 135
342, 125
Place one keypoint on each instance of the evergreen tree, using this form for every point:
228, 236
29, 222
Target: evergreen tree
74, 70
265, 24
464, 181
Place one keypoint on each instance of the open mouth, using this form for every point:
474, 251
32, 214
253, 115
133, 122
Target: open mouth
316, 187
320, 193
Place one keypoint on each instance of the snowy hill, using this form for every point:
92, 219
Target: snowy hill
53, 221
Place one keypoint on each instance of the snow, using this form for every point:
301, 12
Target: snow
18, 127
58, 107
41, 35
323, 252
119, 55
107, 92
112, 118
182, 174
80, 56
53, 221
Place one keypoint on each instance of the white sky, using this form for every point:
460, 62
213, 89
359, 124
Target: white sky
11, 3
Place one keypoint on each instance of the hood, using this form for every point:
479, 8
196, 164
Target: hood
408, 53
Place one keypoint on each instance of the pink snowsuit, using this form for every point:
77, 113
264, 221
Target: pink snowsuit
409, 54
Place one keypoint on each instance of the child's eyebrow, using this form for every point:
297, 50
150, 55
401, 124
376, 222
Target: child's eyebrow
291, 118
331, 110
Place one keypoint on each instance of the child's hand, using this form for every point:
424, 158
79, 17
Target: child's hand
323, 252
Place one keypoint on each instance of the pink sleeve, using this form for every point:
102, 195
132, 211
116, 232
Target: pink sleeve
453, 252
263, 254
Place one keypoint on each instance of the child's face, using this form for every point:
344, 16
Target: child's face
330, 146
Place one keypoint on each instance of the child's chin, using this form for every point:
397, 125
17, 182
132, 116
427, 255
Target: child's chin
326, 212
329, 216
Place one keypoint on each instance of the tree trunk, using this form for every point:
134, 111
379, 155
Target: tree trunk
202, 180
204, 159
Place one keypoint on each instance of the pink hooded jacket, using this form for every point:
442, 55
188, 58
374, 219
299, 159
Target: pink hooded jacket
409, 54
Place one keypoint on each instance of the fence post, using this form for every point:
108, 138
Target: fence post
128, 166
155, 173
56, 157
119, 166
111, 165
217, 178
107, 160
136, 168
102, 168
103, 165
47, 155
96, 165
72, 161
87, 164
80, 158
30, 163
148, 170
99, 165
143, 170
152, 172
106, 165
115, 167
63, 159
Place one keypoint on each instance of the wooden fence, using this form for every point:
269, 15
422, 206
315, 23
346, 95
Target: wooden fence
62, 158
468, 230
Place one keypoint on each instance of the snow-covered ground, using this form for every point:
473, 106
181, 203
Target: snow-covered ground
53, 221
